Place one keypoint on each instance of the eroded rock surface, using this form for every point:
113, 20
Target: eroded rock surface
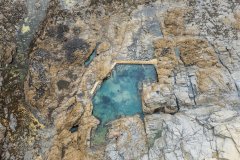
127, 139
191, 112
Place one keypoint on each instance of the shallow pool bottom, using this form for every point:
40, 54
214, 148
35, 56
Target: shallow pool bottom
120, 96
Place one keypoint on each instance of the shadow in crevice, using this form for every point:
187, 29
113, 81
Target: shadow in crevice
74, 128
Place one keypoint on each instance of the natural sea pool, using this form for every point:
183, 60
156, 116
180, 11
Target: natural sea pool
120, 95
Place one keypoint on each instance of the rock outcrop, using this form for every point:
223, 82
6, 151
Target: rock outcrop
191, 112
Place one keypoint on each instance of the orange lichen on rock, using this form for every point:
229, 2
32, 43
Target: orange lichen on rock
167, 60
197, 52
237, 18
174, 21
213, 80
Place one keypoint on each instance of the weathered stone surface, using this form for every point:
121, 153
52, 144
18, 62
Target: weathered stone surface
2, 132
214, 80
174, 21
127, 139
174, 136
158, 98
11, 12
197, 52
191, 112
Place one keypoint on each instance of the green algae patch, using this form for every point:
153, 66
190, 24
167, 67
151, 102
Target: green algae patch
100, 137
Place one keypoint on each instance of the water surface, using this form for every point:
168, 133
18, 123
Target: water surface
120, 95
90, 58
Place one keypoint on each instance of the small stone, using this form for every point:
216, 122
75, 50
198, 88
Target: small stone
13, 122
103, 47
37, 5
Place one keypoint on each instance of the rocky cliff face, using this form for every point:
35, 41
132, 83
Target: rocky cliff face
191, 112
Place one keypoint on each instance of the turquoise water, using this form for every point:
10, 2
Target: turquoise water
90, 58
120, 95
